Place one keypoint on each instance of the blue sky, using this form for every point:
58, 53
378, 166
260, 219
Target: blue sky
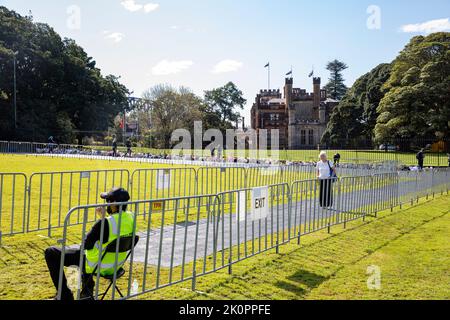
202, 44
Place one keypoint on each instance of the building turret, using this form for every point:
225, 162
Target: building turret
316, 99
288, 98
288, 91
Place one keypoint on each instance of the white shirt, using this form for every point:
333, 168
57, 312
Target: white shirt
324, 169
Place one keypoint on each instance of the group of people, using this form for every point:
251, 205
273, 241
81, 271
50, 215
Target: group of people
127, 144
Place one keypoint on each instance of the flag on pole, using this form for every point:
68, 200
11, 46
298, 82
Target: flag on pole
267, 65
289, 73
311, 74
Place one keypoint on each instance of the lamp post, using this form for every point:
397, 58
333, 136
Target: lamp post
15, 89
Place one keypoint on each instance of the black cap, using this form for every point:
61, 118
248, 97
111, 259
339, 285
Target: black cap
116, 195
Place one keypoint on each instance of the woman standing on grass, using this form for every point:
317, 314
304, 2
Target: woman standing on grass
326, 173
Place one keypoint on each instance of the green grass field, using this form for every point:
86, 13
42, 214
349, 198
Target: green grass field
410, 247
52, 196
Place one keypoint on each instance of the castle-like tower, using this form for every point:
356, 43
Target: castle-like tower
300, 117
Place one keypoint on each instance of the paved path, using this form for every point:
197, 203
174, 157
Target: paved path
181, 239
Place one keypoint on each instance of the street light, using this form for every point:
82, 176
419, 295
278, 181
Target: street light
15, 88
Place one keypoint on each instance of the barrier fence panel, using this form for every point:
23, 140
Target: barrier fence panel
441, 180
385, 192
13, 197
174, 240
313, 203
319, 204
250, 221
52, 194
149, 184
213, 180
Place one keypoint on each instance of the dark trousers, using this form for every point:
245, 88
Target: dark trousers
71, 258
421, 164
326, 193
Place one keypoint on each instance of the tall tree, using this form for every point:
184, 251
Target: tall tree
353, 119
60, 91
335, 87
172, 109
417, 104
222, 105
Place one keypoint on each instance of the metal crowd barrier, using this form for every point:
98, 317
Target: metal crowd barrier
47, 196
52, 194
13, 188
183, 238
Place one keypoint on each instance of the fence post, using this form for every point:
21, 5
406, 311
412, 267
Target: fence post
194, 275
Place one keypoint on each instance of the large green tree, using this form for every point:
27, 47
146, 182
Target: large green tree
171, 109
353, 119
60, 91
417, 104
222, 106
335, 87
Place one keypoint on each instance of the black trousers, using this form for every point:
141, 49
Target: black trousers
421, 164
326, 193
71, 258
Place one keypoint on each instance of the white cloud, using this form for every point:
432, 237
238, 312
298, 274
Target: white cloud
149, 7
428, 27
174, 27
227, 66
132, 6
166, 67
115, 37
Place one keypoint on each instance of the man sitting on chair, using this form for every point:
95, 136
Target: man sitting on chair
92, 243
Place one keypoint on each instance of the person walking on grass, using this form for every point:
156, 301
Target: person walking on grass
129, 151
420, 157
326, 173
89, 258
114, 147
337, 159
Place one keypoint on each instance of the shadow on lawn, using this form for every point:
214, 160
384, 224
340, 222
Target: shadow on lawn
305, 282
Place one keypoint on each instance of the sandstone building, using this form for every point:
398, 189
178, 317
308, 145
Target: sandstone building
300, 117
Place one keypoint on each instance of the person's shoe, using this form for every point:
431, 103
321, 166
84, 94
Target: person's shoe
87, 294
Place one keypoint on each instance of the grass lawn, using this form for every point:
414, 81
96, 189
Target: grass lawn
348, 156
52, 196
410, 246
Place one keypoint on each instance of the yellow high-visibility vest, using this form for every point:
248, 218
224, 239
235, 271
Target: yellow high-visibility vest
107, 265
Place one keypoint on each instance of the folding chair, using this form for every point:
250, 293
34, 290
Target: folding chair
125, 245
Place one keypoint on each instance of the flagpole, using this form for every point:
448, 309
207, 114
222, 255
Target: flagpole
268, 77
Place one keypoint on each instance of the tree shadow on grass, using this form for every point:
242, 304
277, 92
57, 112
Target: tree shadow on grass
304, 282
